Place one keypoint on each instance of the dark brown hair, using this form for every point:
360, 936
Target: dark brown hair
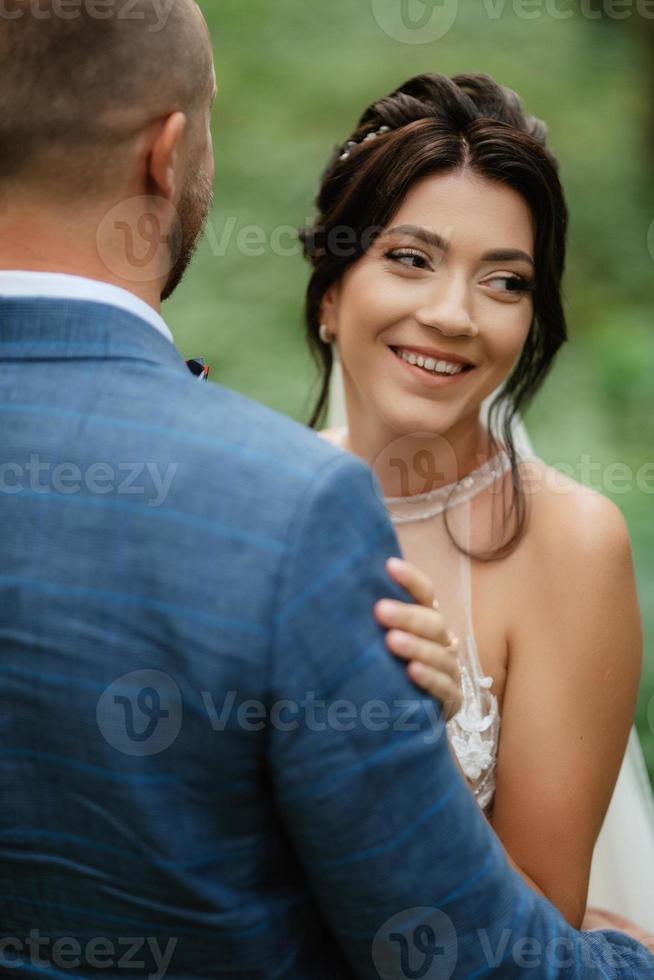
438, 125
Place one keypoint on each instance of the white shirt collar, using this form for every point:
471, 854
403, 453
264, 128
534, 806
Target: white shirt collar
57, 285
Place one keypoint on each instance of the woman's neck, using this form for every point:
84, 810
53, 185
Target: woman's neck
414, 463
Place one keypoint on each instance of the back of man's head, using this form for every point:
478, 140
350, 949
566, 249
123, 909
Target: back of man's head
81, 79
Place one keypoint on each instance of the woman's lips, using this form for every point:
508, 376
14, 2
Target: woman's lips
428, 377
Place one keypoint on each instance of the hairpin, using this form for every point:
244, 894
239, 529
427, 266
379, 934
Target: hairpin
349, 146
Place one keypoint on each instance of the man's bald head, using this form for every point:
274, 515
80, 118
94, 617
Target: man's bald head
80, 79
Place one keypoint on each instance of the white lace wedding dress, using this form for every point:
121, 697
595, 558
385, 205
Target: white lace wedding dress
622, 876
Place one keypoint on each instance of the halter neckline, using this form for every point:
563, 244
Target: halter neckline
422, 506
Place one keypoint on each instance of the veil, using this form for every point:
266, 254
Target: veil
622, 871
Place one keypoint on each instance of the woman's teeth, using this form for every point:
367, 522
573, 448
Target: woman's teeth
430, 363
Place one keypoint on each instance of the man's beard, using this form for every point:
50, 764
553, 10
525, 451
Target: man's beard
193, 209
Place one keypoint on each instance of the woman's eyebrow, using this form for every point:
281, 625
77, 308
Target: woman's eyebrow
507, 255
433, 238
423, 234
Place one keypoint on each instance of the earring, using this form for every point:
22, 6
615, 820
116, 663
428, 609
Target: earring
325, 335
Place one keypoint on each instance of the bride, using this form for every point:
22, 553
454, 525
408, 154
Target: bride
438, 253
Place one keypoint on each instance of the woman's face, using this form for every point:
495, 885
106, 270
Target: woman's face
451, 274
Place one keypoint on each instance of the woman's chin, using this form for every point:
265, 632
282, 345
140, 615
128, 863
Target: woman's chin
407, 413
412, 419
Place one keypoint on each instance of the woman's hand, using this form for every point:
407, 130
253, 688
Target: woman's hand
602, 919
418, 635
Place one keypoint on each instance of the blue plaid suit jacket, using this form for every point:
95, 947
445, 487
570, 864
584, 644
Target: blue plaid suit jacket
210, 766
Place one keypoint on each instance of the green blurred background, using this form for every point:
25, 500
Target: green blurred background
294, 76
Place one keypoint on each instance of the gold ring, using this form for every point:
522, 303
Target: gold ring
453, 640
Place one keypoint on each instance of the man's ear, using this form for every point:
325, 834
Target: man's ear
166, 155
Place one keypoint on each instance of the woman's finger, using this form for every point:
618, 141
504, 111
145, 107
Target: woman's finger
439, 686
415, 581
434, 668
426, 652
427, 623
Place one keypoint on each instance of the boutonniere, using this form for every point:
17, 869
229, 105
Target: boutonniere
198, 368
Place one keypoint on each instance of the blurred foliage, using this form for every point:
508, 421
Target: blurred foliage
293, 78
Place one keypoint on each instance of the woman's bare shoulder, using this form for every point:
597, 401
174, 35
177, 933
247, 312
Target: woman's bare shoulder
569, 520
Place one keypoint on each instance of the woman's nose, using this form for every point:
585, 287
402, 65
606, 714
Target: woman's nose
448, 309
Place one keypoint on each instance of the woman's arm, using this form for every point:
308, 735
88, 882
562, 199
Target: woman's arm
575, 652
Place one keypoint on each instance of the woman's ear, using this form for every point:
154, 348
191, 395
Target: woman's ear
329, 309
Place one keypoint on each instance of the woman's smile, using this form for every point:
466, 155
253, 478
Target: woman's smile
432, 377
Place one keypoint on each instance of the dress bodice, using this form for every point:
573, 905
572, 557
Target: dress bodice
426, 525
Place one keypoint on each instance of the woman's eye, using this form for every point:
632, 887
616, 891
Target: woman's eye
516, 285
408, 258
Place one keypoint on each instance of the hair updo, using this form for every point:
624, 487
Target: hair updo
435, 125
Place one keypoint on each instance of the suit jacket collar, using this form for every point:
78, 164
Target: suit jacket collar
55, 329
20, 284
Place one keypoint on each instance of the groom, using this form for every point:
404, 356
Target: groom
210, 766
